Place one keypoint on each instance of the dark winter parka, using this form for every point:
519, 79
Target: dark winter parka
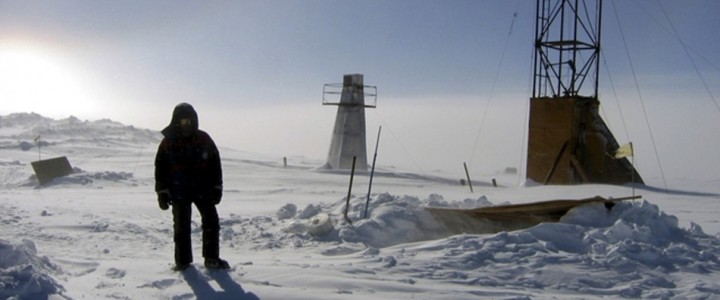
187, 165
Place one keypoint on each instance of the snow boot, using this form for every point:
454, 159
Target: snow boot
181, 267
216, 263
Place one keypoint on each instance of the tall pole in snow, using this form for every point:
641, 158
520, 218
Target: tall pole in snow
37, 142
372, 172
347, 202
633, 166
467, 174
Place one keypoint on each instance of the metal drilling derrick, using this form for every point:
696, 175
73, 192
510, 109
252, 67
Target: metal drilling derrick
568, 141
567, 48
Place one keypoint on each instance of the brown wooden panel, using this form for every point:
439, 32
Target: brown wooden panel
49, 169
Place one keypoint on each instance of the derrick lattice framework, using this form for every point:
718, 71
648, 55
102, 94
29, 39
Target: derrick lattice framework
567, 48
568, 141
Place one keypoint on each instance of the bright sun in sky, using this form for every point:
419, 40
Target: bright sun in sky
31, 81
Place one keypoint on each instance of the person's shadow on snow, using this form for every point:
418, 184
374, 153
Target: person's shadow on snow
203, 290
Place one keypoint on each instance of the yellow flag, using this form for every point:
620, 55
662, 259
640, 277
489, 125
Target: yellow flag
624, 151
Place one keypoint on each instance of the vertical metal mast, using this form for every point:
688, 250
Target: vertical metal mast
567, 48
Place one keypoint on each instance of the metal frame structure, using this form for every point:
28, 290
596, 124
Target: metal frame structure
336, 89
567, 48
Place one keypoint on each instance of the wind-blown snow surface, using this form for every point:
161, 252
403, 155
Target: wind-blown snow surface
98, 234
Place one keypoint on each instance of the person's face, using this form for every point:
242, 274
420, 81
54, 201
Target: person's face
186, 127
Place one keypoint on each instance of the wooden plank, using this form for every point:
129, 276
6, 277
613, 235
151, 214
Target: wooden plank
511, 217
576, 164
49, 169
555, 164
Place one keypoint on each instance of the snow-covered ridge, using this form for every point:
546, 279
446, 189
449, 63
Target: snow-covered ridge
82, 142
22, 129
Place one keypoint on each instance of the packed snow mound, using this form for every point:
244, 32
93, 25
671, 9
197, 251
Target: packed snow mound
403, 219
80, 177
25, 275
631, 250
391, 220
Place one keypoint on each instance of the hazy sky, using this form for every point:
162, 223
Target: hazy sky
453, 77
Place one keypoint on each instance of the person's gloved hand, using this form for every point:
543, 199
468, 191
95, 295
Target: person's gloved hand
164, 200
216, 194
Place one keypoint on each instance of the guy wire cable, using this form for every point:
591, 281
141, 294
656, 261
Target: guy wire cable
640, 98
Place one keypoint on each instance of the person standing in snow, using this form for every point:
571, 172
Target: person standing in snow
188, 171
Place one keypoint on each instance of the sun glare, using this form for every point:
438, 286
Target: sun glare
33, 82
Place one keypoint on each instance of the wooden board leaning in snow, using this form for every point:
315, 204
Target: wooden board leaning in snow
511, 217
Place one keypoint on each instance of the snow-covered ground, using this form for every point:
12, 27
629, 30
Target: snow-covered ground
98, 234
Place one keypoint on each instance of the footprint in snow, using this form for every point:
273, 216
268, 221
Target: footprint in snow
159, 284
114, 273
